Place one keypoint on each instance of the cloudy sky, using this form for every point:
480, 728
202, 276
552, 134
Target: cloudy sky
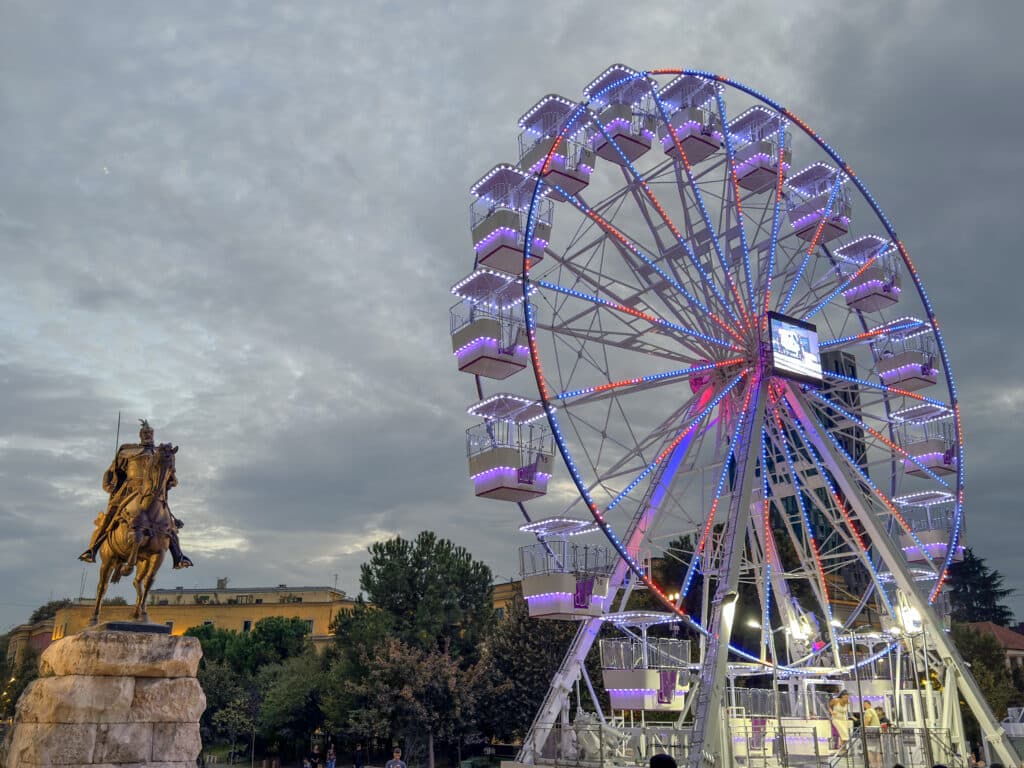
241, 220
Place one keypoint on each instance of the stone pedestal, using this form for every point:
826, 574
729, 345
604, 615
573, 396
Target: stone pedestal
108, 698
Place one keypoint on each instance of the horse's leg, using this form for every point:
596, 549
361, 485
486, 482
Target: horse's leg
107, 563
142, 562
145, 578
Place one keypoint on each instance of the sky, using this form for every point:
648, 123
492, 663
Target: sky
242, 220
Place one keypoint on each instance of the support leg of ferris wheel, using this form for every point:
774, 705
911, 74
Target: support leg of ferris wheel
968, 687
575, 656
707, 746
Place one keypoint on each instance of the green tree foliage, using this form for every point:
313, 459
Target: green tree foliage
439, 595
522, 656
291, 696
988, 666
423, 695
977, 592
18, 680
49, 610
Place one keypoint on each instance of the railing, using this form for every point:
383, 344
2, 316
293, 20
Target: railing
590, 743
515, 199
662, 653
561, 556
467, 311
530, 439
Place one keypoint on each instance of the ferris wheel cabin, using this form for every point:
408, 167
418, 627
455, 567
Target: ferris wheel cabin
498, 220
697, 127
755, 137
624, 128
932, 444
908, 362
561, 579
641, 672
810, 192
873, 287
511, 452
487, 326
572, 161
930, 515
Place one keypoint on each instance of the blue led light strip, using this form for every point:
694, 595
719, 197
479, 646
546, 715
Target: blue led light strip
836, 407
810, 250
799, 494
682, 372
736, 194
884, 388
635, 313
776, 219
703, 210
870, 334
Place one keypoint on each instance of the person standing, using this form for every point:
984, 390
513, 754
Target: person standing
396, 759
332, 756
359, 757
839, 714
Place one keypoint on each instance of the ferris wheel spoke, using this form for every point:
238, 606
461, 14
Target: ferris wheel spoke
887, 502
640, 382
649, 318
744, 414
877, 435
706, 216
842, 507
842, 287
675, 442
632, 248
737, 199
840, 178
649, 193
798, 493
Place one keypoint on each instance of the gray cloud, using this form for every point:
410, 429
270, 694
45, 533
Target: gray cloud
241, 221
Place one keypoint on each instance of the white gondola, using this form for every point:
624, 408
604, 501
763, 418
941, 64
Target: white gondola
687, 101
564, 580
572, 162
487, 326
933, 446
645, 673
810, 191
622, 103
755, 139
908, 362
511, 453
498, 220
876, 287
930, 516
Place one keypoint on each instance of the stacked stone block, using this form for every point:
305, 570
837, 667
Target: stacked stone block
104, 698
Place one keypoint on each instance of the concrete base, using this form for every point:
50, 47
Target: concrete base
111, 697
131, 626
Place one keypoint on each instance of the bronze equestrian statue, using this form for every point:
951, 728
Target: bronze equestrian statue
137, 528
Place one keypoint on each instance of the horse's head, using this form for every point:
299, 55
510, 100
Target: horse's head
162, 464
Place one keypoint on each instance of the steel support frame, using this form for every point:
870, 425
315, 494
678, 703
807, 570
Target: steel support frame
968, 687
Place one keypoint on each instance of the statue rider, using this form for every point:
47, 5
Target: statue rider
122, 481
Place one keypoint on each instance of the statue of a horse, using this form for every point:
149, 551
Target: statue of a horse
140, 537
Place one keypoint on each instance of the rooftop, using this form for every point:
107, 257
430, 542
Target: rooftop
1010, 640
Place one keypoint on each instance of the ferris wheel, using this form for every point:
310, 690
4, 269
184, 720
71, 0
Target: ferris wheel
735, 358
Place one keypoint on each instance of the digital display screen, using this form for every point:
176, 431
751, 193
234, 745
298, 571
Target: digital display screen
794, 349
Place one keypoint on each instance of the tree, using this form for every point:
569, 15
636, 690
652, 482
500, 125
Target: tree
15, 685
49, 610
417, 693
236, 719
977, 592
988, 666
291, 697
439, 596
521, 657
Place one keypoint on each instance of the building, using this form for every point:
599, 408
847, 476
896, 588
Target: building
28, 638
231, 608
1012, 642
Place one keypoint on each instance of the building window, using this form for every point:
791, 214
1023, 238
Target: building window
309, 625
499, 613
170, 625
259, 601
207, 623
246, 625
